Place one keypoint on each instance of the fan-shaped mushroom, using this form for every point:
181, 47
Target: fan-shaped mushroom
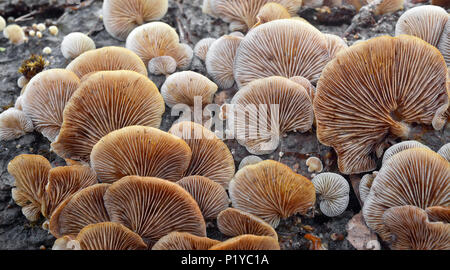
417, 177
120, 17
248, 242
314, 164
249, 160
335, 44
184, 241
14, 123
106, 101
374, 88
438, 213
139, 150
75, 44
387, 6
270, 190
444, 151
270, 12
306, 84
398, 147
202, 47
45, 97
334, 193
365, 184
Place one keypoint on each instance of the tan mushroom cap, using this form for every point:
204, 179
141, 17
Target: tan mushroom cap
444, 151
107, 101
210, 196
234, 222
210, 155
79, 210
62, 243
387, 6
157, 39
109, 236
306, 84
63, 182
184, 241
271, 190
439, 213
14, 123
30, 174
242, 14
401, 146
202, 47
15, 34
120, 17
365, 185
288, 107
248, 242
45, 98
182, 87
335, 44
164, 65
249, 160
314, 164
413, 230
139, 150
75, 44
106, 58
153, 207
300, 50
219, 60
270, 12
354, 112
334, 193
416, 176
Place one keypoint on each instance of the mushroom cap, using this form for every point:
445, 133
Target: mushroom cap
306, 84
388, 6
14, 33
248, 242
109, 236
444, 43
271, 190
106, 58
164, 65
271, 11
234, 222
413, 231
79, 210
157, 39
249, 160
211, 157
300, 50
14, 123
210, 196
354, 112
184, 241
243, 13
220, 58
45, 98
30, 174
202, 47
75, 44
444, 151
314, 164
273, 106
401, 146
153, 207
139, 150
120, 17
426, 22
365, 184
182, 87
334, 192
107, 101
62, 243
416, 176
335, 44
64, 181
439, 213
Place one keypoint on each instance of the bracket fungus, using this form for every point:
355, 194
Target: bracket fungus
210, 196
444, 151
300, 50
401, 146
45, 98
79, 210
412, 230
30, 174
140, 150
271, 190
104, 102
75, 44
120, 17
248, 242
220, 58
14, 123
106, 59
153, 207
334, 192
234, 222
157, 39
211, 157
386, 92
202, 47
417, 177
182, 87
273, 106
184, 241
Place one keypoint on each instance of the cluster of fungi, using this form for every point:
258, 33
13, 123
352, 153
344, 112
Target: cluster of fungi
130, 185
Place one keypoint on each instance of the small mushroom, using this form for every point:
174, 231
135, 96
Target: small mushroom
234, 222
335, 44
401, 146
120, 17
387, 6
184, 241
334, 192
202, 47
248, 242
270, 190
270, 12
249, 160
210, 196
365, 184
438, 213
314, 165
75, 44
164, 65
15, 34
183, 87
14, 123
444, 151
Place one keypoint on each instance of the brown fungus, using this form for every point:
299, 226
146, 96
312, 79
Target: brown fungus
248, 242
184, 241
